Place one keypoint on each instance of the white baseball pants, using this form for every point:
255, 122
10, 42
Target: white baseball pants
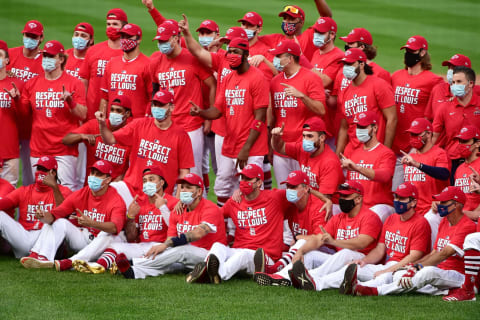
434, 220
20, 239
196, 137
10, 171
383, 211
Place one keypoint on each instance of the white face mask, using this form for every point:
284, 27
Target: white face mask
319, 40
362, 135
1, 63
450, 76
349, 72
48, 64
250, 33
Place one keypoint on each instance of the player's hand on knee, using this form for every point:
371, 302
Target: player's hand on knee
360, 262
155, 250
39, 214
297, 256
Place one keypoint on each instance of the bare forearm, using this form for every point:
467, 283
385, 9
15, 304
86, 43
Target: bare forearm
312, 243
315, 106
103, 106
197, 50
80, 111
323, 8
57, 195
72, 138
211, 113
108, 227
107, 135
390, 132
278, 144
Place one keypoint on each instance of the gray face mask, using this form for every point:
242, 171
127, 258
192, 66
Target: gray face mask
450, 76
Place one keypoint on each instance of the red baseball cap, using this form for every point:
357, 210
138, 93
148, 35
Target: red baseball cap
252, 18
239, 43
350, 187
165, 31
358, 35
367, 118
420, 125
468, 132
458, 60
296, 177
209, 25
451, 193
3, 46
48, 162
163, 96
117, 14
103, 166
234, 32
191, 178
33, 26
315, 124
131, 30
53, 47
416, 42
252, 171
287, 46
84, 27
354, 54
406, 190
123, 101
292, 11
325, 24
153, 170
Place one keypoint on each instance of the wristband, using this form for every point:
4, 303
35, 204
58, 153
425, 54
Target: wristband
131, 218
179, 241
257, 125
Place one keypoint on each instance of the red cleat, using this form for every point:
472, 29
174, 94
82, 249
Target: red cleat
459, 294
34, 261
62, 265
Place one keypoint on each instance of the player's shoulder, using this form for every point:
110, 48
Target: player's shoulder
466, 224
385, 150
337, 53
369, 215
400, 73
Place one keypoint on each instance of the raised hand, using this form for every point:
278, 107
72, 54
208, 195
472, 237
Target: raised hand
14, 93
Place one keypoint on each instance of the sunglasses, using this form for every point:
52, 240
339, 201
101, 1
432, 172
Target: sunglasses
292, 9
345, 186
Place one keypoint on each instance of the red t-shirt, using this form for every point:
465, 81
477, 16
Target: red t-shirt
130, 78
5, 188
380, 72
342, 227
373, 94
401, 237
74, 64
427, 186
328, 63
411, 97
382, 160
93, 70
206, 212
462, 180
261, 48
305, 41
116, 154
170, 149
440, 93
52, 117
108, 207
291, 111
451, 117
237, 98
309, 220
152, 224
453, 236
28, 199
259, 223
324, 171
9, 112
183, 76
221, 69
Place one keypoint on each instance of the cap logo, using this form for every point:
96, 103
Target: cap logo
44, 159
361, 115
348, 53
32, 25
101, 163
361, 38
230, 31
352, 32
48, 45
248, 166
402, 186
127, 26
320, 21
161, 29
464, 130
248, 15
206, 22
189, 175
455, 57
411, 40
414, 123
293, 174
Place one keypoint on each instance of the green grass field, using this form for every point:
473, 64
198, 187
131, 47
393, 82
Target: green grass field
450, 26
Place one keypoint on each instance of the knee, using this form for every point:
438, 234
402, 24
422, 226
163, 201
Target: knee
424, 276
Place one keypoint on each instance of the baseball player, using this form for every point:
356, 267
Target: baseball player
96, 59
439, 271
44, 194
365, 93
9, 108
372, 164
153, 141
190, 235
82, 40
412, 86
98, 220
296, 94
57, 102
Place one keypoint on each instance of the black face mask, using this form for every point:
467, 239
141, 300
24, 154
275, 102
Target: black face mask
346, 205
347, 47
411, 59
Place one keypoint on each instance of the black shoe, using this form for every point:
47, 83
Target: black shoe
259, 260
349, 280
301, 276
198, 274
212, 269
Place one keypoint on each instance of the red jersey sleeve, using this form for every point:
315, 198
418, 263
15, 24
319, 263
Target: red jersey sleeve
260, 94
332, 225
291, 149
371, 225
386, 167
79, 94
67, 207
84, 72
124, 136
15, 196
220, 98
172, 225
315, 89
421, 237
156, 16
90, 127
118, 215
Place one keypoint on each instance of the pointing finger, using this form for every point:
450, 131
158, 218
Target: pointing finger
323, 229
79, 213
286, 85
14, 86
404, 153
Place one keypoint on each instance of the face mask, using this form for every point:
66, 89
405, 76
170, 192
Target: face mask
308, 146
30, 43
411, 59
400, 207
458, 90
186, 197
149, 188
1, 63
205, 41
463, 150
39, 176
48, 64
94, 183
292, 195
362, 135
165, 47
246, 187
79, 43
349, 72
318, 40
443, 210
128, 45
112, 33
346, 205
347, 47
234, 60
450, 76
277, 64
416, 142
159, 113
116, 119
289, 28
250, 33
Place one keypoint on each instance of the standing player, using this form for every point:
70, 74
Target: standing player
97, 57
296, 94
57, 102
82, 40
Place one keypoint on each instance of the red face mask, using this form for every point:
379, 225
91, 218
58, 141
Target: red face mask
246, 187
463, 150
234, 60
112, 33
39, 176
416, 142
128, 45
